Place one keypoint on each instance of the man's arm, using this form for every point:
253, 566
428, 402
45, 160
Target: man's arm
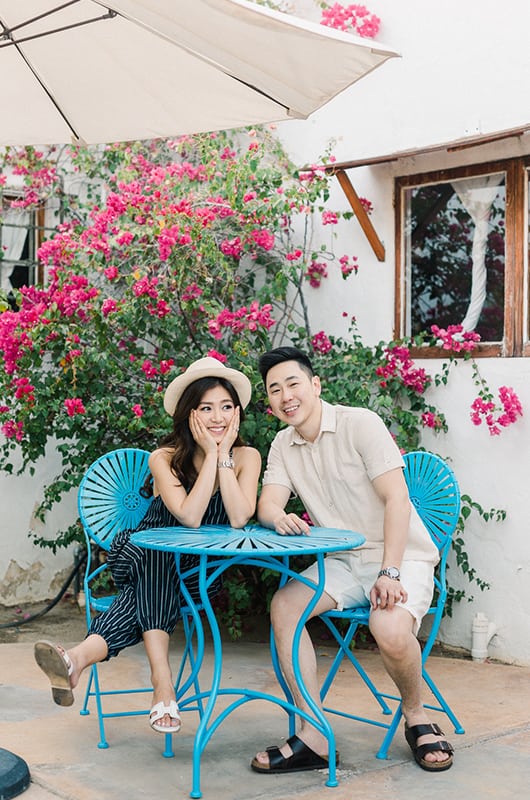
392, 490
271, 511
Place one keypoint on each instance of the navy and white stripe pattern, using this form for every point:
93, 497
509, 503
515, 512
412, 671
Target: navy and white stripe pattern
149, 586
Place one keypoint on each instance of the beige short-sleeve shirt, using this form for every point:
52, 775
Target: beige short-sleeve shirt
333, 477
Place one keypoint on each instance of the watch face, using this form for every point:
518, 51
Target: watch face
392, 572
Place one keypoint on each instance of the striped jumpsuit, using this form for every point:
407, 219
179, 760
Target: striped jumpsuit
148, 582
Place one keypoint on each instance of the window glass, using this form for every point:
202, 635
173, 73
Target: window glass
18, 246
455, 255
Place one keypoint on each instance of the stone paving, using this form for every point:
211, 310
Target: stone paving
60, 746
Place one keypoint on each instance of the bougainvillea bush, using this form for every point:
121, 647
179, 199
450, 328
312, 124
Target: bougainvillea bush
183, 248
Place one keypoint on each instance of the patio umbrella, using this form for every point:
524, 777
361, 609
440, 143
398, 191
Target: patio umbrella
93, 71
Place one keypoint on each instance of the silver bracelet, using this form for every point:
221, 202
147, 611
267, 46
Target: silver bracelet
229, 463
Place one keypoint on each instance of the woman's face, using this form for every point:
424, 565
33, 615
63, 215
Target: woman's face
215, 411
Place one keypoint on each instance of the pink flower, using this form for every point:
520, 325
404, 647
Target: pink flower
294, 256
111, 273
161, 310
400, 366
352, 18
242, 319
137, 410
455, 338
346, 267
249, 196
146, 286
108, 306
74, 405
149, 369
219, 356
321, 343
191, 292
431, 420
263, 238
13, 430
483, 407
366, 204
329, 218
24, 390
232, 247
316, 271
165, 365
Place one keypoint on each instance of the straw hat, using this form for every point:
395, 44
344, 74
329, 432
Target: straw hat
206, 368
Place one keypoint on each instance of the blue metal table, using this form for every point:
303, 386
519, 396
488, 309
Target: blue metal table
220, 547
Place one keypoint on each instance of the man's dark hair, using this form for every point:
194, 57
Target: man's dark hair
274, 357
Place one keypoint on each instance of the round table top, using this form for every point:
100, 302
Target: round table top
222, 540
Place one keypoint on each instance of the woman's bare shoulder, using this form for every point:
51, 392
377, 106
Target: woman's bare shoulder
249, 454
161, 454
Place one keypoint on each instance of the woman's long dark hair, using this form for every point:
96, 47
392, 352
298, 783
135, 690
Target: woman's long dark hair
181, 439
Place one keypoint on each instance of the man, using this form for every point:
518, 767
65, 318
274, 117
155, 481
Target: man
348, 472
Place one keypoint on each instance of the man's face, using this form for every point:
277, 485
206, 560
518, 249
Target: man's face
293, 395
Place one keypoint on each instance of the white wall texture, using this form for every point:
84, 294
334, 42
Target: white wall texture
464, 71
461, 74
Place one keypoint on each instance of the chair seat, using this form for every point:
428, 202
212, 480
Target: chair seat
360, 614
102, 603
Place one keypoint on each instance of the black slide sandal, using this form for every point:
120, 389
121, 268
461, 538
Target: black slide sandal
303, 758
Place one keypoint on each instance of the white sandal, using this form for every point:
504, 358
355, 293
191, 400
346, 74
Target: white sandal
55, 662
159, 710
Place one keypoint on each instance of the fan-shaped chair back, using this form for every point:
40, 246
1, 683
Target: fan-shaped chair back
112, 494
434, 493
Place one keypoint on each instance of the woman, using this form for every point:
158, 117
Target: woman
202, 474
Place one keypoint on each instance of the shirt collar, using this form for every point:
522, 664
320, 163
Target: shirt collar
328, 422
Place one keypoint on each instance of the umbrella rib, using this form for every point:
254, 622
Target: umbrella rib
259, 91
7, 31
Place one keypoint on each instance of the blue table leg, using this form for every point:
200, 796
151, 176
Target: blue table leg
320, 722
202, 734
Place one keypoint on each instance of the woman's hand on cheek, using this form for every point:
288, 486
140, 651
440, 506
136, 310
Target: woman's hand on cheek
200, 434
230, 435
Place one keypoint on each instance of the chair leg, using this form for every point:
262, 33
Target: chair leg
102, 744
191, 656
85, 711
443, 704
344, 643
389, 735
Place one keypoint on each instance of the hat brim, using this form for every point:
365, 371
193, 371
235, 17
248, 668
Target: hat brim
177, 386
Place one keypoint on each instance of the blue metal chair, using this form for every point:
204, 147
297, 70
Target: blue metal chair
112, 498
435, 494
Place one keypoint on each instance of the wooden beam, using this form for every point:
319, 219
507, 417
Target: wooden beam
360, 212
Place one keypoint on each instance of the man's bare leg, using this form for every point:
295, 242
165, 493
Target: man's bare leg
288, 605
401, 654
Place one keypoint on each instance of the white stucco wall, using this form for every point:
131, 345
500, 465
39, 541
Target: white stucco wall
29, 573
457, 77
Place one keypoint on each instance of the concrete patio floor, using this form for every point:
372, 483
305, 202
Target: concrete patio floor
60, 746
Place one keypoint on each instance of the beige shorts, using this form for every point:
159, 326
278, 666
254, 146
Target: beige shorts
348, 581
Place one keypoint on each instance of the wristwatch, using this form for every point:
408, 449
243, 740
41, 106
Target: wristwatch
390, 572
228, 462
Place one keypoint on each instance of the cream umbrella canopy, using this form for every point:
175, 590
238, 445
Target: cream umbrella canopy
93, 71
